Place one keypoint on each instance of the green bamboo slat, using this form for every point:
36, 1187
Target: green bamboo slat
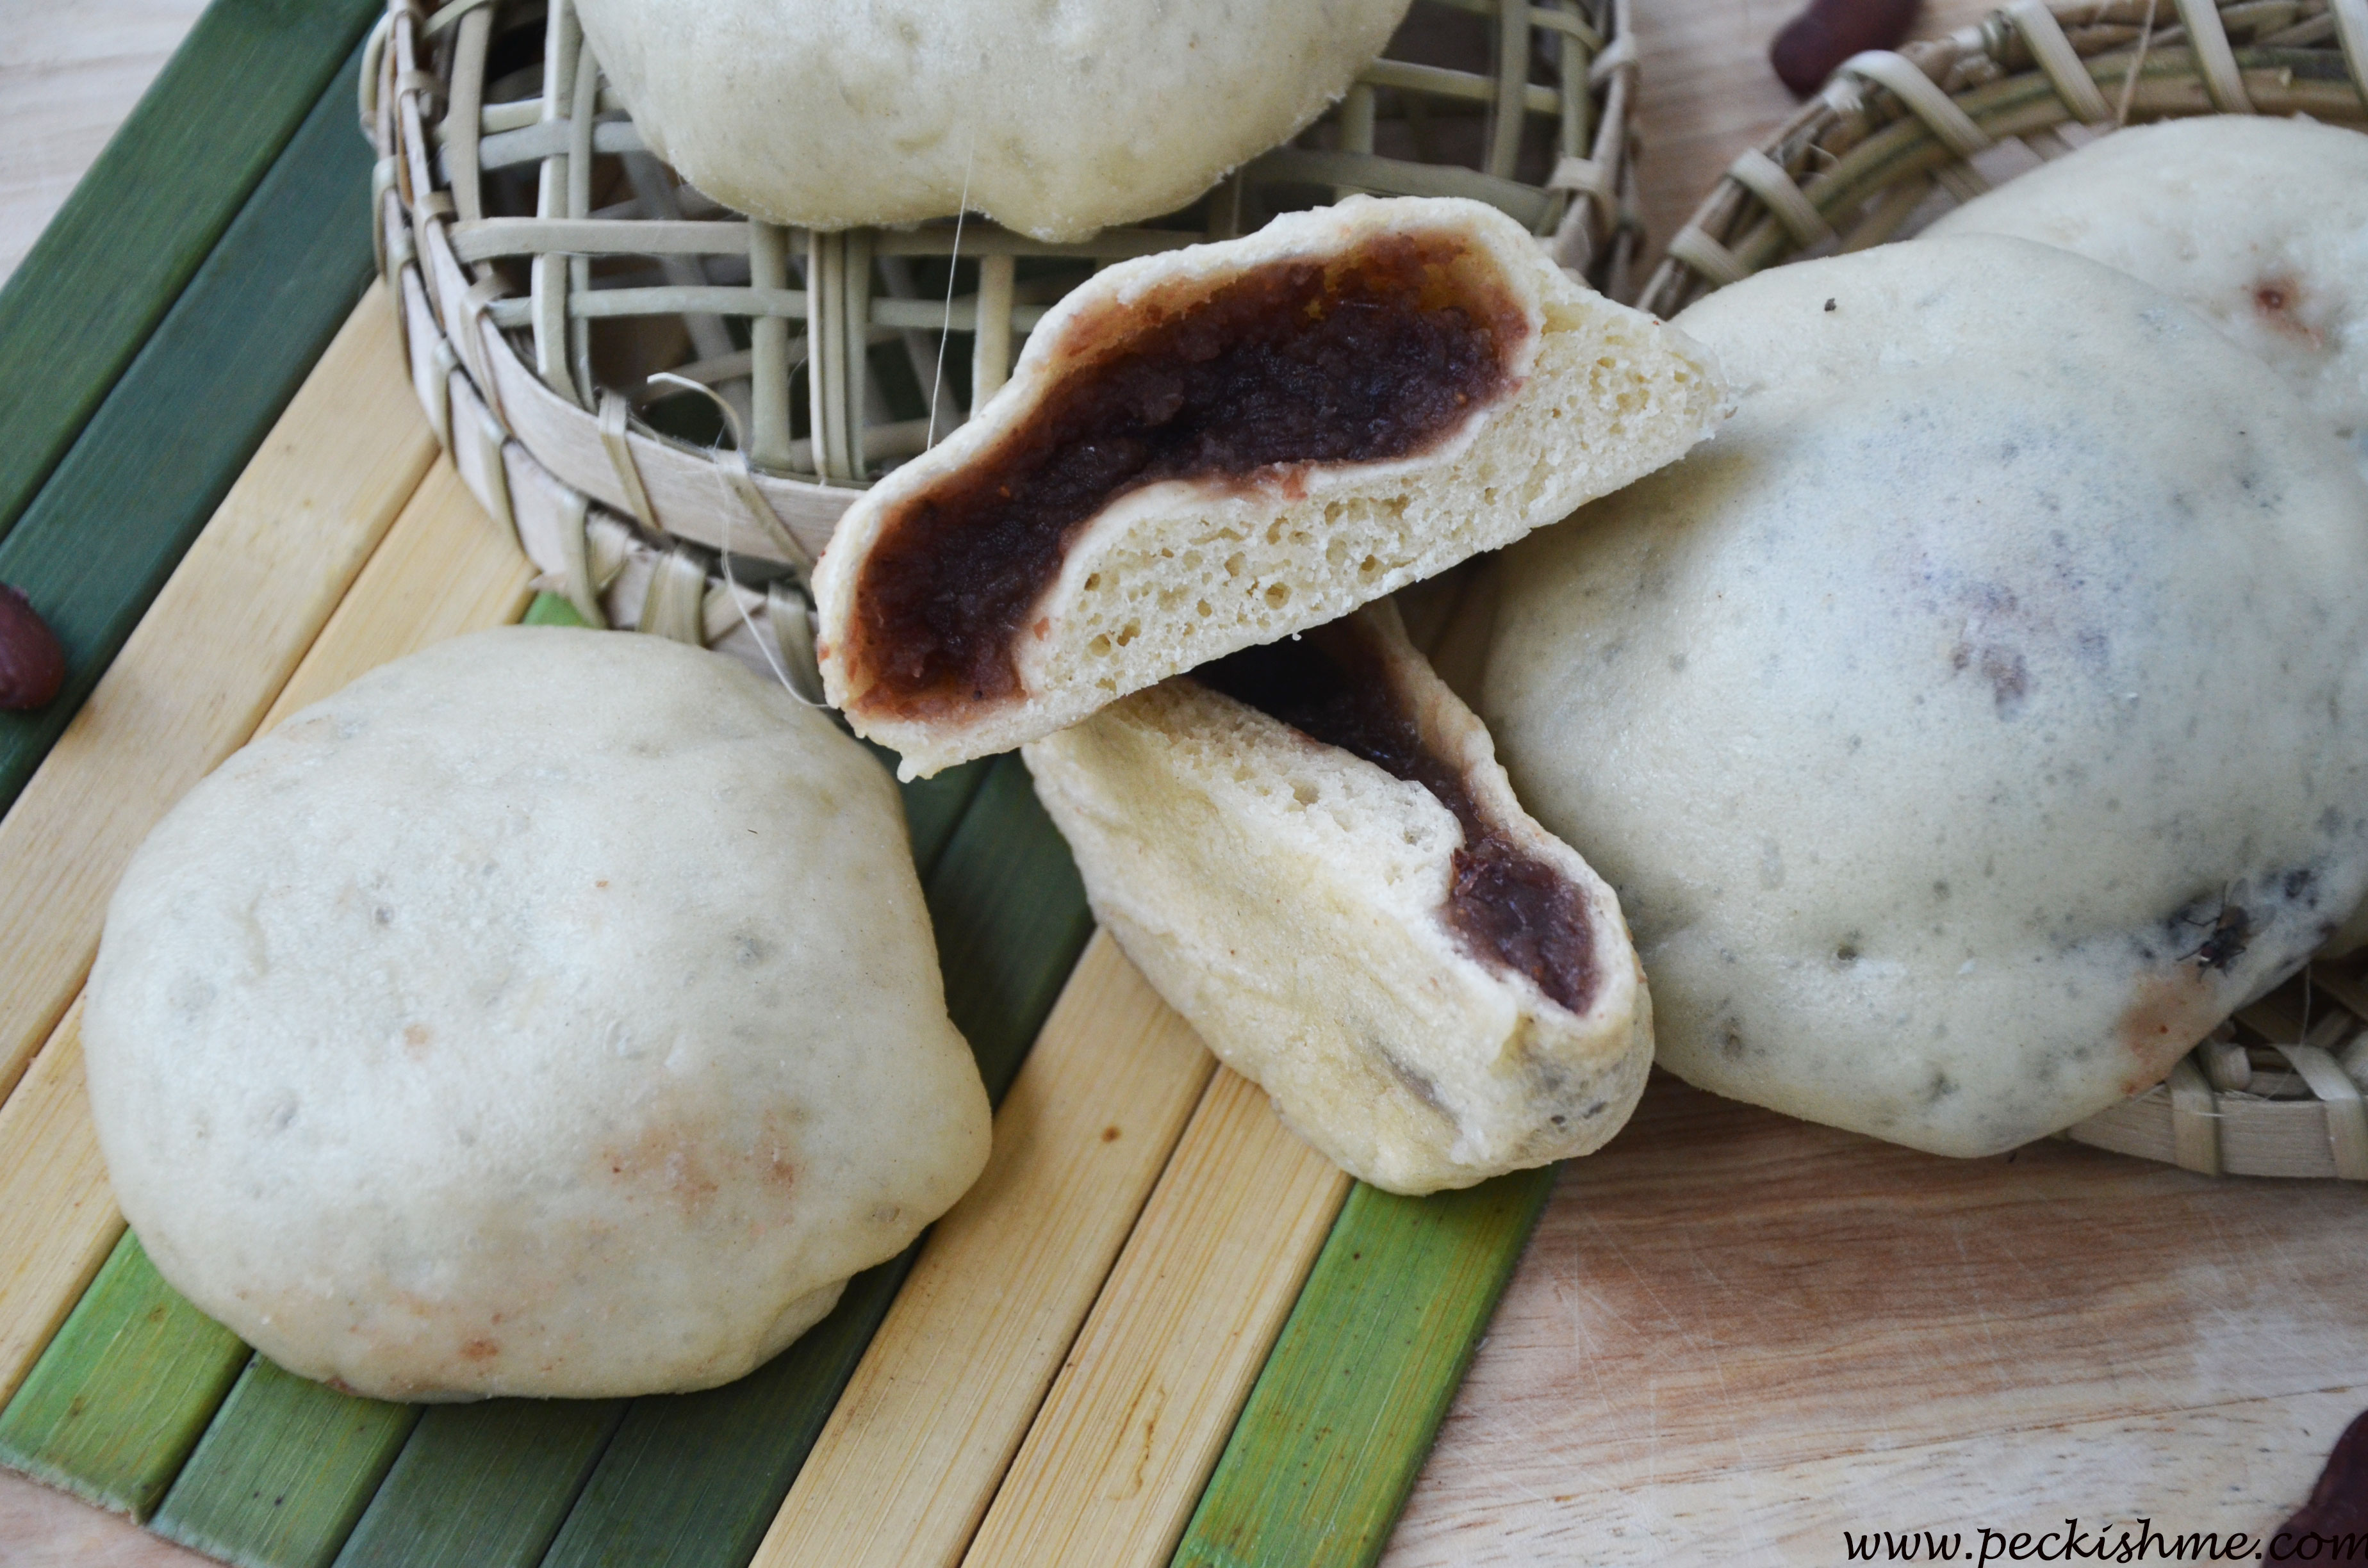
1011, 919
121, 250
120, 1397
1340, 1419
283, 1472
549, 609
697, 1478
694, 1480
483, 1485
934, 807
154, 460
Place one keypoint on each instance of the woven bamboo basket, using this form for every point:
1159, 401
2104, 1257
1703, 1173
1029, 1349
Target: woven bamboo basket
1894, 139
672, 404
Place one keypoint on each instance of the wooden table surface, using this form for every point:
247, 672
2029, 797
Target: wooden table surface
1735, 1336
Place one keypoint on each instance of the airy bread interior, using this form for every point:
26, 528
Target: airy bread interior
1175, 571
1292, 900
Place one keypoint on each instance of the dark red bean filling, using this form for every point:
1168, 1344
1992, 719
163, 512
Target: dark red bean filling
1376, 356
1505, 906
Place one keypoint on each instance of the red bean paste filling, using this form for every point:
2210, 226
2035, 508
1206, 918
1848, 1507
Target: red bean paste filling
1506, 906
1378, 355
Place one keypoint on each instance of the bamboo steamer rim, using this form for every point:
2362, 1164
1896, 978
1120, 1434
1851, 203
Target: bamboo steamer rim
1895, 133
2277, 1090
635, 527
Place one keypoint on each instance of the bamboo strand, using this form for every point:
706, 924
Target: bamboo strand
215, 647
57, 1219
442, 569
1112, 1469
923, 1434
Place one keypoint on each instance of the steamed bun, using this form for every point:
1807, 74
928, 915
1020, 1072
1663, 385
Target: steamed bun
1055, 120
1963, 728
552, 1012
2260, 224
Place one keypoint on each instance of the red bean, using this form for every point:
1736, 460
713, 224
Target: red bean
32, 664
1829, 32
2338, 1508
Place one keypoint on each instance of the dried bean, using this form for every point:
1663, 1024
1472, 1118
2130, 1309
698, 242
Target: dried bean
32, 664
2338, 1506
1812, 43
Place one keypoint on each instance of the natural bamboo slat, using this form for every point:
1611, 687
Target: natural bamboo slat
123, 1393
1116, 1458
442, 569
158, 458
57, 1217
483, 1485
1329, 1442
115, 258
283, 1472
194, 679
921, 1437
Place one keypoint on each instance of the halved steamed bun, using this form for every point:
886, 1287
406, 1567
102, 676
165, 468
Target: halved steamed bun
1310, 851
1220, 446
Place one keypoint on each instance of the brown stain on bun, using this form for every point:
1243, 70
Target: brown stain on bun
2167, 1015
667, 1159
2276, 297
688, 1164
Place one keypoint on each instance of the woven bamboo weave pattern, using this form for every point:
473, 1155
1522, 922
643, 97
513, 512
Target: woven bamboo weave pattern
1895, 137
567, 298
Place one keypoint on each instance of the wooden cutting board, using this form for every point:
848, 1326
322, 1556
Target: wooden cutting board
1736, 1337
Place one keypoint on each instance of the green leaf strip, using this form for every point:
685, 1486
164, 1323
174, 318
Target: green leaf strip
121, 1394
1340, 1419
283, 1472
165, 444
123, 246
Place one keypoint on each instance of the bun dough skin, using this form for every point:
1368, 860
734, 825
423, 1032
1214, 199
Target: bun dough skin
1054, 119
1173, 574
1929, 721
1287, 897
552, 1012
2260, 224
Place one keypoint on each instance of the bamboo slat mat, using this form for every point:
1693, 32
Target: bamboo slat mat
1105, 1354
